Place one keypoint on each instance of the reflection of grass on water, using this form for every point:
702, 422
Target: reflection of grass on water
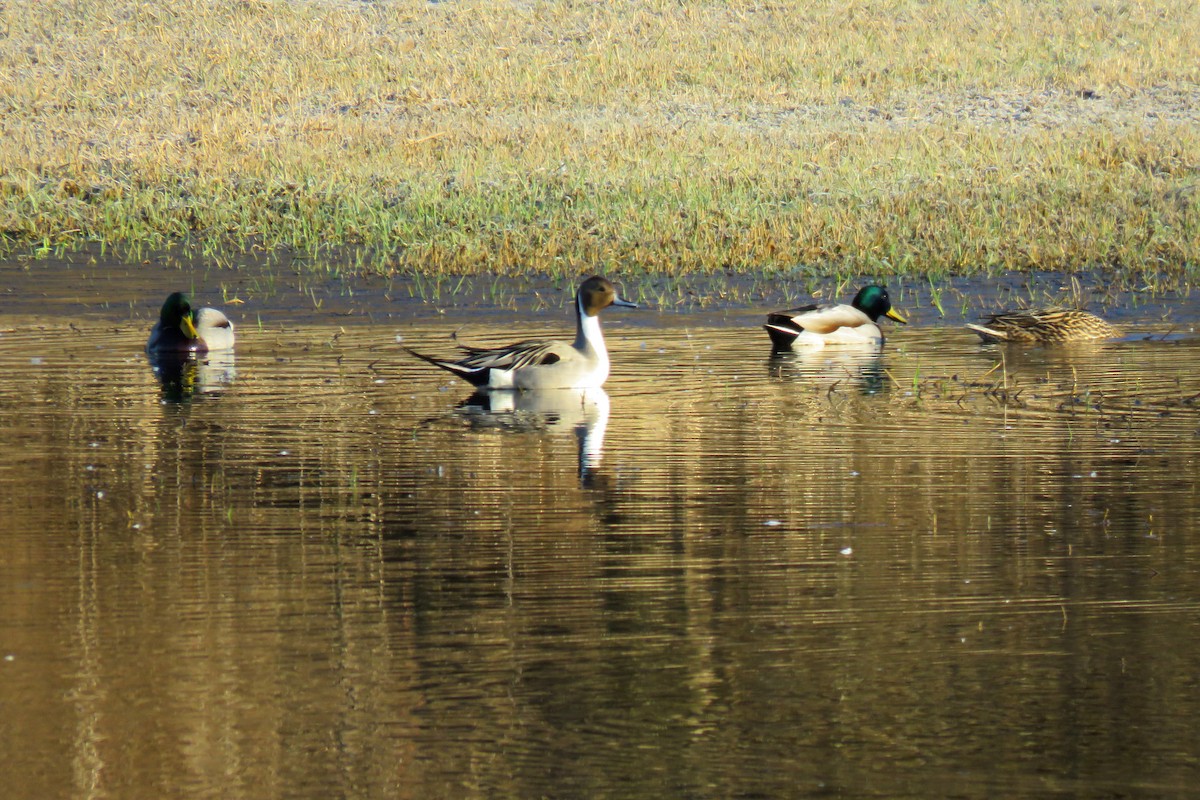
558, 137
1081, 380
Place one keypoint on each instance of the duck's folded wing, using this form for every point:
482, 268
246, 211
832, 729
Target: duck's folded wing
828, 318
1028, 323
522, 354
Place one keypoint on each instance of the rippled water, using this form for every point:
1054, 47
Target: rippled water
324, 569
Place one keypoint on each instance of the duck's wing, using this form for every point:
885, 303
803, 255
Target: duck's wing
478, 362
824, 318
529, 353
1022, 325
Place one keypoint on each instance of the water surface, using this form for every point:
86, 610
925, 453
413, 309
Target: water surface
322, 568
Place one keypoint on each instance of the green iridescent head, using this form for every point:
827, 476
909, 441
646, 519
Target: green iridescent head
177, 313
875, 303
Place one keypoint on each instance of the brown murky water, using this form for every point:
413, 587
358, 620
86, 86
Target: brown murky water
321, 569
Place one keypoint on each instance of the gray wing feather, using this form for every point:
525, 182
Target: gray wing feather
521, 354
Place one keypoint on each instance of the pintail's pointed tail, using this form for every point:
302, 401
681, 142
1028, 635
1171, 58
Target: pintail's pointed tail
474, 375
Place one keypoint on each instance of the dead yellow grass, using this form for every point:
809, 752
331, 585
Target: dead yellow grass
567, 136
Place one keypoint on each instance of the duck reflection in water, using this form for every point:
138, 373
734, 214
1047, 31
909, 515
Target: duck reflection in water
583, 412
859, 366
183, 375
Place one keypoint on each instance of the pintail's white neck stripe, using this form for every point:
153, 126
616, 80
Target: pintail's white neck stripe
589, 333
587, 330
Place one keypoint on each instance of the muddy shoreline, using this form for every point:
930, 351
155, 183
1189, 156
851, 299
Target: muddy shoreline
120, 292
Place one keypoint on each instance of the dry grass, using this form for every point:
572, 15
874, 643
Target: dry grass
559, 137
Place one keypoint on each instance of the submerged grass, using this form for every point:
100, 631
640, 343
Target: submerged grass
831, 137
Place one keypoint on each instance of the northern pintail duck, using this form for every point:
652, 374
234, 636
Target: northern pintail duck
552, 364
1044, 326
819, 325
183, 329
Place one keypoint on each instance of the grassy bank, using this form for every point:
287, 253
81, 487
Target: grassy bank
559, 137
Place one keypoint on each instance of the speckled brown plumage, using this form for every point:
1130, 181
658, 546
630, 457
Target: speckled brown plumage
1044, 325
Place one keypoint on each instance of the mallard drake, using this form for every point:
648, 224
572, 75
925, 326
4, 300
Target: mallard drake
183, 329
1045, 326
819, 325
545, 364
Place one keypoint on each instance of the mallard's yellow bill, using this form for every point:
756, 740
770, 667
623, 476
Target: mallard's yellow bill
189, 327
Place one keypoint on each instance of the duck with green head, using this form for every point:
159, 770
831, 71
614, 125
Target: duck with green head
820, 325
183, 329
